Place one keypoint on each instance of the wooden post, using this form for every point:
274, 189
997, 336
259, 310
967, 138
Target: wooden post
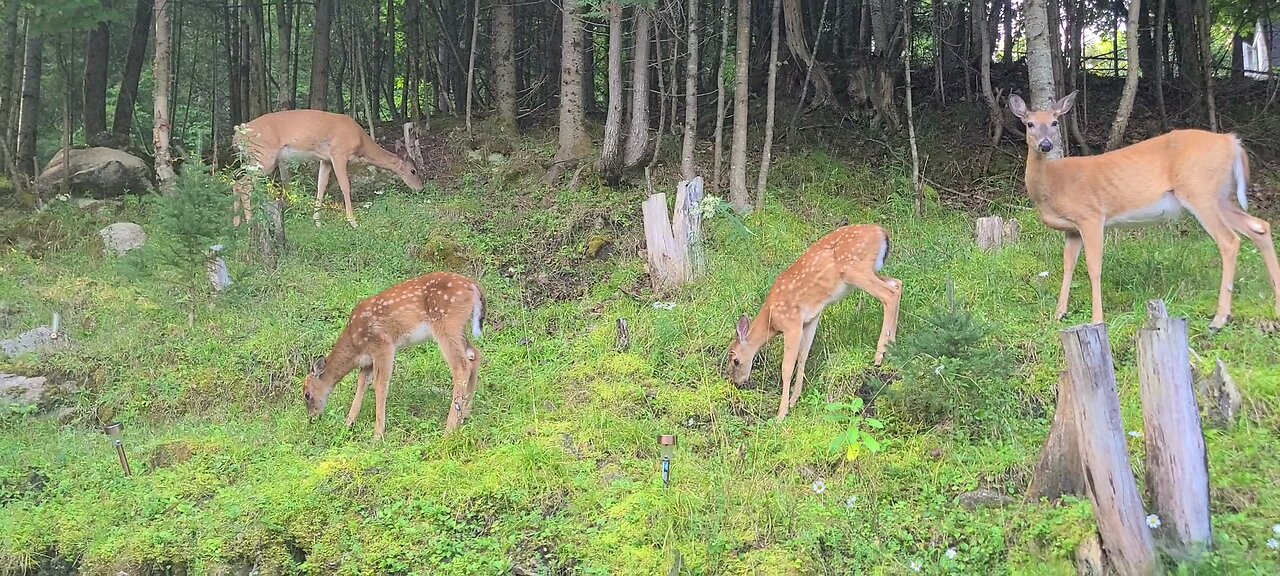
1177, 465
994, 232
688, 225
1221, 396
1059, 471
1117, 505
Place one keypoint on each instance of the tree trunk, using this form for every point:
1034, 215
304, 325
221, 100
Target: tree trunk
1040, 61
1008, 32
9, 84
720, 94
257, 66
794, 16
738, 154
692, 65
995, 116
122, 123
471, 63
504, 62
1206, 67
573, 142
1162, 43
160, 132
284, 31
1074, 72
1130, 77
320, 39
29, 107
638, 122
1188, 43
611, 148
97, 54
1146, 41
916, 185
1060, 471
762, 180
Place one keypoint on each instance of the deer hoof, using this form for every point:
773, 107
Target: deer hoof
1219, 322
352, 222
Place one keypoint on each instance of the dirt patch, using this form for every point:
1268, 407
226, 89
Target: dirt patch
170, 454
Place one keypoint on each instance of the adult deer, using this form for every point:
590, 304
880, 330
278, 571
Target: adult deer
439, 306
849, 257
1150, 181
335, 139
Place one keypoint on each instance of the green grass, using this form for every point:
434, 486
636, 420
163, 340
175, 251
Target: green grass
558, 469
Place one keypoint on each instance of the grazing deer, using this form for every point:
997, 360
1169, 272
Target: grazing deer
335, 139
849, 257
1150, 181
439, 306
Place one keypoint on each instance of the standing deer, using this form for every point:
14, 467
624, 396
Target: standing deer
1144, 183
439, 306
849, 257
335, 139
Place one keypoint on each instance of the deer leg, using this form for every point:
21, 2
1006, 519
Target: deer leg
1258, 231
322, 183
340, 171
473, 369
889, 292
1212, 218
791, 344
455, 354
806, 342
244, 187
362, 384
1091, 236
382, 366
1070, 255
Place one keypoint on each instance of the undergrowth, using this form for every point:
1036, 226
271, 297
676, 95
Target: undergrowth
557, 472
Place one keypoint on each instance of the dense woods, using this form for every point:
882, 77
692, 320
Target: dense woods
621, 73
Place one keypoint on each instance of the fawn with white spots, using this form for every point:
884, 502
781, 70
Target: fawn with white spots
440, 306
849, 257
334, 139
1151, 181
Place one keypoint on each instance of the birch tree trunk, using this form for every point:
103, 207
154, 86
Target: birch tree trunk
763, 178
1040, 62
720, 95
160, 112
1131, 42
738, 154
471, 64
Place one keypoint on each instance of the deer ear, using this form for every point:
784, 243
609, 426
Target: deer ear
1064, 105
1017, 106
318, 366
744, 325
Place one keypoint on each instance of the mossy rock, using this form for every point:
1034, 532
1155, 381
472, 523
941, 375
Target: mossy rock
442, 252
599, 247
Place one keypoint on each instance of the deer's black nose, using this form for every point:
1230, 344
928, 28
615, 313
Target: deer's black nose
1046, 145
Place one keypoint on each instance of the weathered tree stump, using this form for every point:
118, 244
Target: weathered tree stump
1177, 465
1117, 505
1059, 471
624, 335
674, 246
994, 232
219, 277
1221, 397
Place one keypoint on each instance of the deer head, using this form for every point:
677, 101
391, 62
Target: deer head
1042, 125
741, 357
316, 388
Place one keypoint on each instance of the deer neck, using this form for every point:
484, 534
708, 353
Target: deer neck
759, 334
342, 359
1037, 175
378, 156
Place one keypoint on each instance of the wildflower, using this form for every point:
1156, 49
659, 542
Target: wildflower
916, 565
1273, 544
938, 371
64, 197
849, 502
1135, 434
1044, 274
951, 553
819, 486
1153, 521
707, 207
1276, 529
664, 305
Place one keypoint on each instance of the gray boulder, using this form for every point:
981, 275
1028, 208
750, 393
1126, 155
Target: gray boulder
122, 237
100, 172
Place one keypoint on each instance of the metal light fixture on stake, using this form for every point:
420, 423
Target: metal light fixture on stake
668, 444
115, 432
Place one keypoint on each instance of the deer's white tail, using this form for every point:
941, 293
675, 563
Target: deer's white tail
477, 314
1240, 170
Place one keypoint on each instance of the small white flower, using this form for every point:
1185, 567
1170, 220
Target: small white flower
1153, 521
916, 565
664, 305
1276, 529
951, 553
819, 486
379, 192
64, 197
1135, 434
850, 502
938, 371
1044, 274
1273, 544
366, 204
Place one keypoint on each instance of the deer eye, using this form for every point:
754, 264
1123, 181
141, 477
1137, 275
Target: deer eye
307, 395
1055, 123
737, 362
1031, 124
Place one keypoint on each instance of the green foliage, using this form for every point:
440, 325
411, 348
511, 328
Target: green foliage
853, 438
187, 225
952, 371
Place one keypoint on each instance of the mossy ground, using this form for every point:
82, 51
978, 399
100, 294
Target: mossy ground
558, 469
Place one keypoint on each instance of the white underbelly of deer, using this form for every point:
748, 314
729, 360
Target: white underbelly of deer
1163, 210
417, 335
